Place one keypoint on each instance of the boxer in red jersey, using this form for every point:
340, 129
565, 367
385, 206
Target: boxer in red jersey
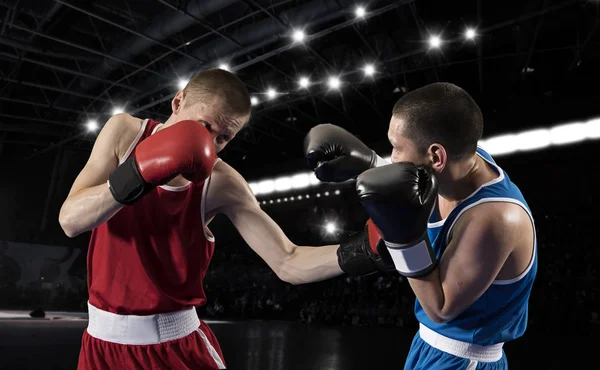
147, 193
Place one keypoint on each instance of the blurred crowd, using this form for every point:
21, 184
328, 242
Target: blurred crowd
240, 286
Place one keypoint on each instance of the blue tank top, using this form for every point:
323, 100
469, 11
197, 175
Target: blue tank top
500, 314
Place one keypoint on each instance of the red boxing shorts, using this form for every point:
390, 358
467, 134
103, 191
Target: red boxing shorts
177, 340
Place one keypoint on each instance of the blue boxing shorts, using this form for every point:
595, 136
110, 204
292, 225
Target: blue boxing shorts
433, 351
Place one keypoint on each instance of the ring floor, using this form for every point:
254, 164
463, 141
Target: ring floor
53, 343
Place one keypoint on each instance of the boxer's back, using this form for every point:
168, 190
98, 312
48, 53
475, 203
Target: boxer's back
152, 257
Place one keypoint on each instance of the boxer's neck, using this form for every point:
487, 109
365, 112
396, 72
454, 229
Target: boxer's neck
463, 178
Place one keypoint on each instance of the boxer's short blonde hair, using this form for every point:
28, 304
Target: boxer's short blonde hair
212, 84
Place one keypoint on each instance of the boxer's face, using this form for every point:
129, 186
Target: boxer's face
222, 127
404, 149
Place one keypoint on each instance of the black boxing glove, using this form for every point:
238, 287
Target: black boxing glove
399, 198
365, 253
335, 155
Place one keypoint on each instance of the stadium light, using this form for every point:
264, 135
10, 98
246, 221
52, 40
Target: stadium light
497, 146
91, 125
369, 70
304, 82
360, 11
435, 41
182, 84
334, 82
470, 33
117, 110
271, 93
298, 35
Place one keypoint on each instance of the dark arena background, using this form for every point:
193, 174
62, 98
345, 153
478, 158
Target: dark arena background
66, 66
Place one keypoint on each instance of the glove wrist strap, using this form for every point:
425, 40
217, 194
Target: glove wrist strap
413, 260
353, 257
126, 184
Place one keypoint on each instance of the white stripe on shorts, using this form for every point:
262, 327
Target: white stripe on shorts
213, 352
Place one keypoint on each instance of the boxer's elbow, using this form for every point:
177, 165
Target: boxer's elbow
69, 224
287, 269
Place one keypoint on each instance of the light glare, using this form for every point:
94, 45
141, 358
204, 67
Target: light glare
435, 41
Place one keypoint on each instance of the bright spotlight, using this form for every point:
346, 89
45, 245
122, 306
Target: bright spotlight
271, 93
369, 70
470, 33
330, 227
326, 193
91, 125
318, 195
337, 192
224, 66
117, 110
271, 201
298, 35
334, 82
254, 100
304, 82
360, 12
435, 41
182, 84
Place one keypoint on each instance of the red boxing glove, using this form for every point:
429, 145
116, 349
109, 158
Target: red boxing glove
374, 236
186, 149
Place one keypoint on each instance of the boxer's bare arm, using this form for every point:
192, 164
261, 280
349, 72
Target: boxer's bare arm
483, 239
230, 194
90, 202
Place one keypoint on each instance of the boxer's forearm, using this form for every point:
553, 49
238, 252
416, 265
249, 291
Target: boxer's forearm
430, 294
87, 209
310, 264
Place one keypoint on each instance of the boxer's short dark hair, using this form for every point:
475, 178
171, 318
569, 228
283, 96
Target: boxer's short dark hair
209, 84
441, 113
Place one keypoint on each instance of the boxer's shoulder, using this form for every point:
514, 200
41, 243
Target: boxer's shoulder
228, 188
122, 129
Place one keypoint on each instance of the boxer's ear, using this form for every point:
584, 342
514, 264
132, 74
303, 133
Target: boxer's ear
437, 157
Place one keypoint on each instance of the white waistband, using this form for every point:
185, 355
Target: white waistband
141, 330
454, 347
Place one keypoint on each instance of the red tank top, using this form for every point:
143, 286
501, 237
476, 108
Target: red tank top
151, 257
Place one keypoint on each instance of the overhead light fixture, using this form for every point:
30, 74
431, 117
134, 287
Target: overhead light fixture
298, 35
334, 82
271, 93
254, 100
182, 84
435, 41
117, 110
369, 70
91, 125
360, 11
304, 82
470, 33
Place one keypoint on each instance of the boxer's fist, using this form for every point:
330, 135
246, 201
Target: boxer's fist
399, 198
365, 253
335, 155
185, 148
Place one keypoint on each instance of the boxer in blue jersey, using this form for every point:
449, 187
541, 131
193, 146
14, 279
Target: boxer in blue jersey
448, 218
